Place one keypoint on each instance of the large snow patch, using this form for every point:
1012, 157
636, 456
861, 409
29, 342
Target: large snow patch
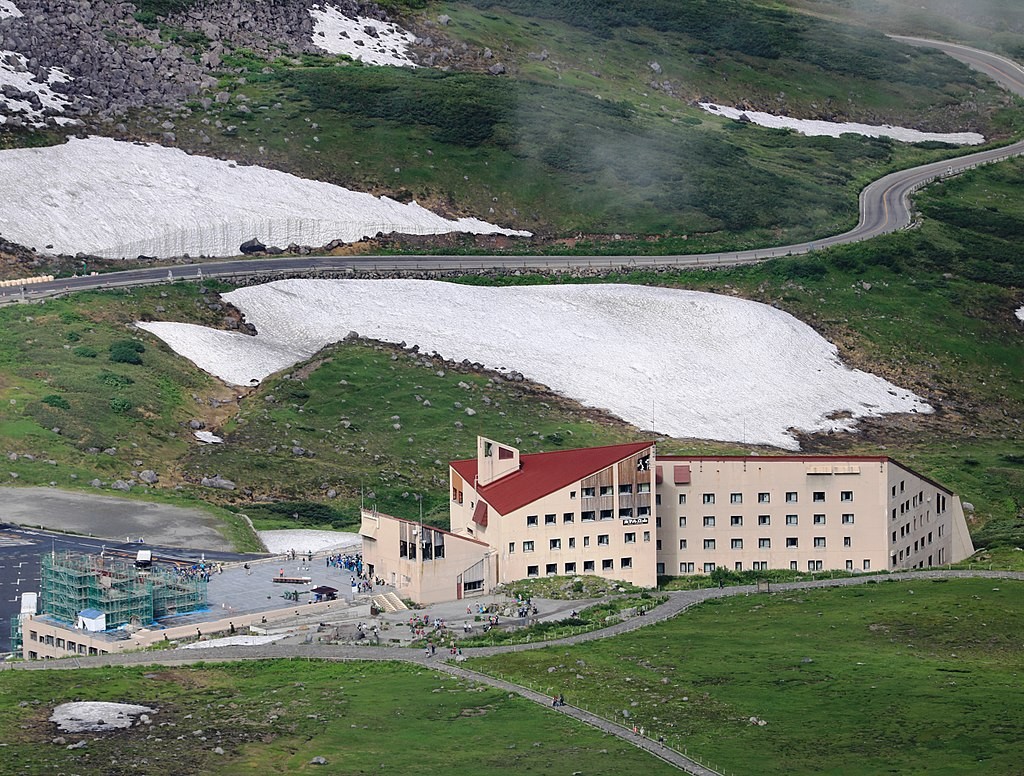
693, 364
815, 127
8, 10
14, 72
118, 199
97, 716
368, 40
308, 540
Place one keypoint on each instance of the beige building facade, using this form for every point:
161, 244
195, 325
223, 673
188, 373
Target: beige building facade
623, 513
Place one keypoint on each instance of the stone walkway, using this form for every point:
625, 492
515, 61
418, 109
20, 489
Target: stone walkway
678, 602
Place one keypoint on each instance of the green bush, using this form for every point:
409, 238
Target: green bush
127, 352
114, 380
56, 401
85, 352
120, 405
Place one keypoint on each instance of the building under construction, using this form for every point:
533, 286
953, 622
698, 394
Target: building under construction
72, 582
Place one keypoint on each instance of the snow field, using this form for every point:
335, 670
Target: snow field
835, 129
14, 72
118, 199
338, 34
304, 540
1020, 313
692, 364
8, 10
235, 641
83, 716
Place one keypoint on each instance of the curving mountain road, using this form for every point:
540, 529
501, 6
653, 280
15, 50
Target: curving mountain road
884, 208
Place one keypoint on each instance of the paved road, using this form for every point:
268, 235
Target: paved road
884, 208
678, 602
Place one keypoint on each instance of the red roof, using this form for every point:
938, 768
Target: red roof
541, 474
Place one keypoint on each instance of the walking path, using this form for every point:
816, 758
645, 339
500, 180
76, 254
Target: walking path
677, 603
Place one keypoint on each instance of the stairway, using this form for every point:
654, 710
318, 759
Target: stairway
388, 602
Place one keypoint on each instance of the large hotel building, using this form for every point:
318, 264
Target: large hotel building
624, 513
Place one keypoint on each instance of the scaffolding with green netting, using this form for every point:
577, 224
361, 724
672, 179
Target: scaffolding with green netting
73, 581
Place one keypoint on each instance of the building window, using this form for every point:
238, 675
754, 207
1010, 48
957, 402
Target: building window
60, 643
819, 520
568, 517
625, 511
626, 490
587, 492
849, 565
511, 547
607, 514
682, 498
792, 520
602, 540
764, 498
760, 565
626, 563
607, 490
793, 566
586, 541
551, 569
792, 541
847, 541
588, 517
685, 568
736, 544
682, 522
819, 495
550, 519
643, 511
735, 498
572, 542
588, 565
709, 498
647, 538
660, 569
528, 546
848, 519
764, 520
846, 495
819, 541
643, 487
531, 520
533, 571
572, 494
790, 496
629, 538
570, 568
682, 544
866, 565
709, 521
709, 544
709, 567
607, 564
736, 520
764, 544
814, 565
657, 499
554, 544
738, 566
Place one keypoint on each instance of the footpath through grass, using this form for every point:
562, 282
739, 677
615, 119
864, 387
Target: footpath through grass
916, 677
277, 716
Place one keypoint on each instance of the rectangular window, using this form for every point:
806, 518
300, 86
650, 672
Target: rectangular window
657, 499
531, 520
643, 511
533, 571
568, 517
554, 544
626, 563
735, 498
866, 565
685, 568
607, 564
589, 516
819, 495
764, 520
760, 565
709, 521
790, 496
607, 490
643, 487
764, 498
736, 520
814, 565
572, 542
550, 519
709, 544
793, 566
572, 494
819, 542
626, 489
792, 541
586, 541
587, 492
819, 520
682, 498
570, 568
647, 538
792, 520
602, 540
846, 495
848, 519
736, 544
709, 567
764, 544
847, 541
682, 544
607, 514
528, 546
511, 547
588, 565
629, 538
660, 569
738, 566
849, 565
625, 511
551, 569
682, 522
709, 498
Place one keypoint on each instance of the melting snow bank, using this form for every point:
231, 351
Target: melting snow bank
235, 641
8, 10
706, 366
118, 199
30, 100
96, 716
307, 540
835, 129
368, 40
1020, 314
